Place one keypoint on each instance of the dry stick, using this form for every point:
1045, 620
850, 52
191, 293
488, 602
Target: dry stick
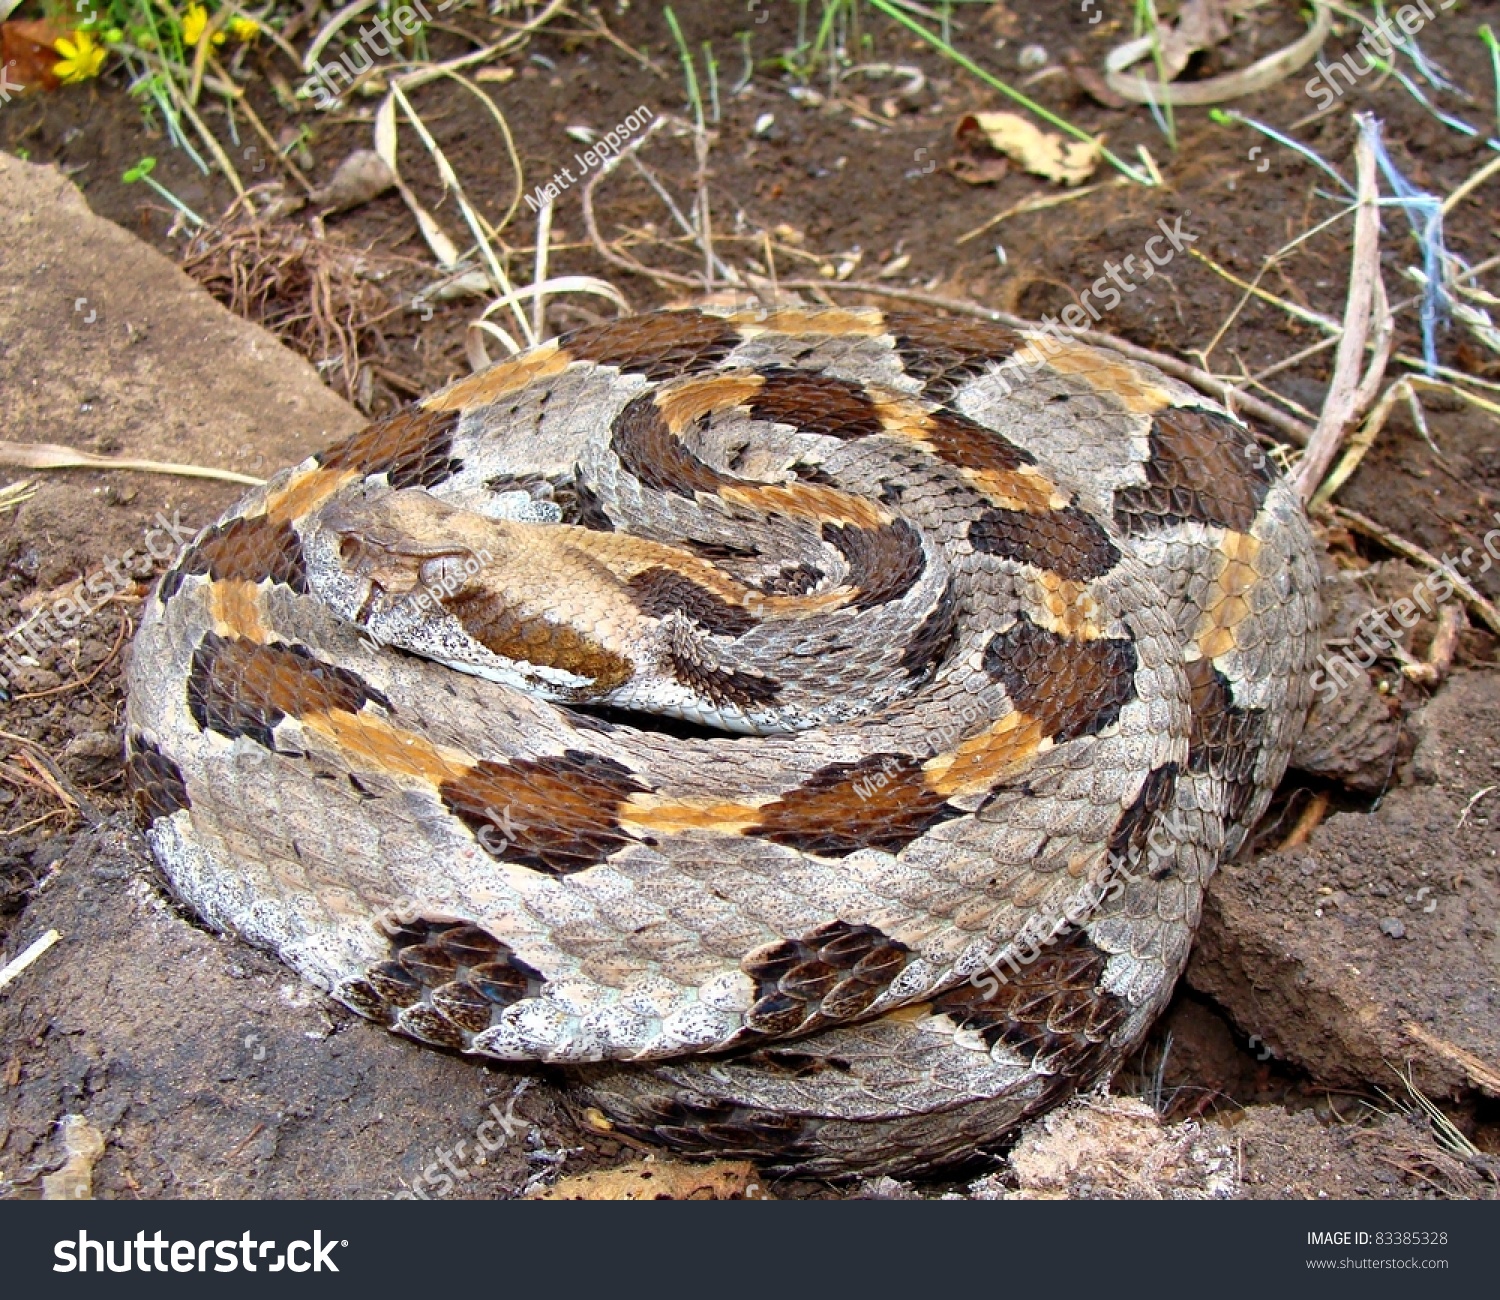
52, 779
1363, 440
1440, 653
51, 455
29, 955
1488, 614
1307, 823
1295, 430
1342, 408
1383, 344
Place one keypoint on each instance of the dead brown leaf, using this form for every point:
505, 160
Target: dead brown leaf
27, 55
1043, 153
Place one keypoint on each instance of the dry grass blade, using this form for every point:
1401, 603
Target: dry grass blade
27, 956
611, 253
428, 72
1037, 203
14, 494
331, 28
437, 239
474, 342
51, 455
1480, 1074
443, 248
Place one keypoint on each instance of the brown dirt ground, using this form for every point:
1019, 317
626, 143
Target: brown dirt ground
211, 1073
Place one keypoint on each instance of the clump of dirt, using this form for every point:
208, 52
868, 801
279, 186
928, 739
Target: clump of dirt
1371, 949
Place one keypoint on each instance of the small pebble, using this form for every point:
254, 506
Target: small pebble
1392, 926
1031, 56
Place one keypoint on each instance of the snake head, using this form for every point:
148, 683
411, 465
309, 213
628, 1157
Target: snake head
390, 547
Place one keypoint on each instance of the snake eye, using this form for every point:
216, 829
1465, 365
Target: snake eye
350, 549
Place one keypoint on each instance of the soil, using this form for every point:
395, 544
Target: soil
1333, 980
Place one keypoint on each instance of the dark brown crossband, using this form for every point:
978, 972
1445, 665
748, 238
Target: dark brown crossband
243, 550
413, 447
725, 687
1204, 468
967, 444
1130, 838
930, 644
665, 345
793, 580
557, 814
660, 591
156, 784
814, 403
946, 354
884, 563
880, 802
1067, 542
649, 450
702, 1126
1226, 740
1049, 1010
242, 688
465, 974
1073, 688
835, 972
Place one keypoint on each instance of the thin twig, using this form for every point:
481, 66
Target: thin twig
1342, 406
126, 627
610, 254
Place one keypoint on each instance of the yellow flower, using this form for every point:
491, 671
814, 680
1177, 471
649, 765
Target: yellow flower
80, 57
193, 23
243, 29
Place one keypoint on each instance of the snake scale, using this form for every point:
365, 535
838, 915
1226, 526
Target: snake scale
810, 729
